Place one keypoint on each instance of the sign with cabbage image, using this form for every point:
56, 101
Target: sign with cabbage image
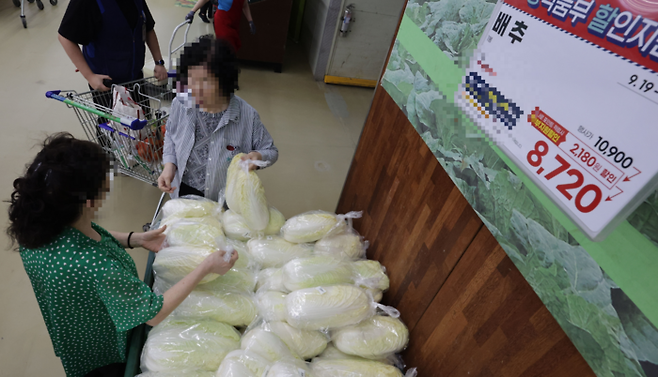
489, 89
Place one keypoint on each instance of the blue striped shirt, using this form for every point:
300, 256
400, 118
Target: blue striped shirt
239, 131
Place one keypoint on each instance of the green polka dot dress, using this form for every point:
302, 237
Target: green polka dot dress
90, 295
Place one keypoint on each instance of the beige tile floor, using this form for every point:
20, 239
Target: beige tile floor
316, 143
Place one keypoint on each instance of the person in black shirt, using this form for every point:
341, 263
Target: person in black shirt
113, 34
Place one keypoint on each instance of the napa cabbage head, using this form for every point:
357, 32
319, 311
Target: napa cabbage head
316, 271
245, 195
235, 309
235, 226
235, 280
352, 368
371, 275
242, 363
333, 353
174, 263
276, 222
347, 245
311, 226
274, 251
270, 279
179, 344
266, 345
374, 338
305, 343
328, 307
190, 208
288, 369
186, 373
194, 233
271, 305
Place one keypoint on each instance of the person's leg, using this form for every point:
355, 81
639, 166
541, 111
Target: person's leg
204, 11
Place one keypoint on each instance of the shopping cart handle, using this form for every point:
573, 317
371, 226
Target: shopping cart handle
52, 93
171, 73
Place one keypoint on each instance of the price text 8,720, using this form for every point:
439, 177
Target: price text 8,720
535, 157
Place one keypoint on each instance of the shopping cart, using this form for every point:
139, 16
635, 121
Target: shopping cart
21, 4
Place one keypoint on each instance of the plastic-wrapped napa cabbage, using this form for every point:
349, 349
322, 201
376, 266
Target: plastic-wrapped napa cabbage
316, 271
270, 279
235, 309
178, 344
276, 222
288, 369
371, 274
174, 263
245, 194
274, 251
271, 305
266, 345
374, 338
242, 363
347, 245
195, 233
311, 226
306, 343
197, 207
235, 280
327, 307
235, 227
352, 368
207, 220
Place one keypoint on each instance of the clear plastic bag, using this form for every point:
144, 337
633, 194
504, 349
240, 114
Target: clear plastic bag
270, 279
375, 338
305, 343
179, 344
195, 232
288, 369
174, 263
321, 367
271, 305
370, 274
346, 245
185, 373
191, 206
276, 222
314, 225
328, 307
274, 251
245, 194
235, 309
242, 363
236, 227
317, 270
267, 345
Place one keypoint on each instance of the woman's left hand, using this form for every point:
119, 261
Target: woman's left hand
252, 156
152, 240
160, 72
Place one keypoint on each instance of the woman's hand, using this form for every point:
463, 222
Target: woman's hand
164, 181
160, 72
216, 264
252, 156
151, 240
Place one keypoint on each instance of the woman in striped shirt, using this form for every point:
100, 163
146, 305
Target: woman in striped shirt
208, 124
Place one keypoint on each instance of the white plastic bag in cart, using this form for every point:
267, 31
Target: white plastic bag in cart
124, 106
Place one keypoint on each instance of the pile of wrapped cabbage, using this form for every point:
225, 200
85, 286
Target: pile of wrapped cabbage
301, 300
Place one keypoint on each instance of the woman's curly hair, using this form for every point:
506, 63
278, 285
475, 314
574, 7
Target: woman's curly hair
50, 196
215, 54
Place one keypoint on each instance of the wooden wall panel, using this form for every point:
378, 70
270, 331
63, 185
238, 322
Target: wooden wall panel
469, 310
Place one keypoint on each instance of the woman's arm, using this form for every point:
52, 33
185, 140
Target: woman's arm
75, 54
247, 11
151, 240
198, 5
175, 295
154, 46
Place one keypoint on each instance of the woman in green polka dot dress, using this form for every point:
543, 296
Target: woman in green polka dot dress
85, 282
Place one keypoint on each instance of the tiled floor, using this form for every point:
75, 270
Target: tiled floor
316, 143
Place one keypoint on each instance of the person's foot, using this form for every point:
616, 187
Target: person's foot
204, 18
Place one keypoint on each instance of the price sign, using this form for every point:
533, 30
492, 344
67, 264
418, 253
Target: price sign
576, 112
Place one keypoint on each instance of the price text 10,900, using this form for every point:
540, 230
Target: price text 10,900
618, 156
535, 159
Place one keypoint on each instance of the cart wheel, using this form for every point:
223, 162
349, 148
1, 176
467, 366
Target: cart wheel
53, 2
17, 3
24, 23
39, 4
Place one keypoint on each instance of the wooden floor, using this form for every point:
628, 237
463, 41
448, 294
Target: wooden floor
469, 310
